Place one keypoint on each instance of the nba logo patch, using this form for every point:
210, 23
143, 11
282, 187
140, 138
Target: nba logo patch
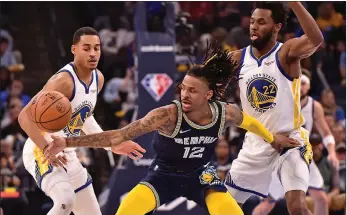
156, 84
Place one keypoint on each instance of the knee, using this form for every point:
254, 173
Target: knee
319, 197
296, 203
67, 199
298, 209
222, 203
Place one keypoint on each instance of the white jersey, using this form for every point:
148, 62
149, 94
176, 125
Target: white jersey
83, 101
268, 93
308, 111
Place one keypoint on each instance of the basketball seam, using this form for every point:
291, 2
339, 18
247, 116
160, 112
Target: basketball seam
56, 118
49, 107
54, 130
38, 99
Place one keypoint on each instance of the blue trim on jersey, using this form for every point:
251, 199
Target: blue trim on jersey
316, 188
281, 69
233, 185
74, 84
84, 186
84, 84
241, 61
97, 80
40, 177
97, 83
260, 60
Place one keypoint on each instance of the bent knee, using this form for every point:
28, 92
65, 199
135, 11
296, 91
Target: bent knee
222, 203
66, 199
296, 203
319, 197
298, 210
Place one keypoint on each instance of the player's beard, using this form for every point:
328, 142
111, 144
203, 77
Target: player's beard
260, 43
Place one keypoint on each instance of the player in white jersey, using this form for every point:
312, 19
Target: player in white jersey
314, 116
67, 182
270, 92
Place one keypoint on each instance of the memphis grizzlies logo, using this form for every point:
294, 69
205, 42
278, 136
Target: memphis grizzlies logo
78, 118
261, 93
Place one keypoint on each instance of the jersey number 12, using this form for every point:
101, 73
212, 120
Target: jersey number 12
195, 152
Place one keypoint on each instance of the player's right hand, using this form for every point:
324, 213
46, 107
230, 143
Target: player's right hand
282, 141
58, 145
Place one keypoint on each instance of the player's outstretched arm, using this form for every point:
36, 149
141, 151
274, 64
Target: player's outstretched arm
324, 131
58, 83
234, 116
304, 46
157, 119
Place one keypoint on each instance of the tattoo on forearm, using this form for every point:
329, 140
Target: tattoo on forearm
147, 124
235, 116
115, 137
100, 140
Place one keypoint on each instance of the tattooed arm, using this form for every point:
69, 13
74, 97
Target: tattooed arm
154, 120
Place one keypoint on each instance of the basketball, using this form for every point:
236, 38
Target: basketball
51, 111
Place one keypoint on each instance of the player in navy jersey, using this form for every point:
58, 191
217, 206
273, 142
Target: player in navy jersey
187, 132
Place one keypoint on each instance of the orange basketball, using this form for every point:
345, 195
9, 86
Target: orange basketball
51, 111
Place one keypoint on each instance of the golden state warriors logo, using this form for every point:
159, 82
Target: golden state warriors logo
261, 93
78, 118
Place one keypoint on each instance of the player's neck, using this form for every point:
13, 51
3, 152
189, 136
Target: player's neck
303, 101
83, 74
203, 116
265, 50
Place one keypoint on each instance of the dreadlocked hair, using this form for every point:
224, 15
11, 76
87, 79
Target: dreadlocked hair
218, 70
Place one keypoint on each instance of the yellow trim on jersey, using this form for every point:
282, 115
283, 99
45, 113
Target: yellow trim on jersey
307, 154
222, 121
43, 167
201, 127
298, 118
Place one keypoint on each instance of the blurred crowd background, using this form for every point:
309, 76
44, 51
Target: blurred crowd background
35, 40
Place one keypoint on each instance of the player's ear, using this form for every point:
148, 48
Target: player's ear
209, 94
73, 48
278, 27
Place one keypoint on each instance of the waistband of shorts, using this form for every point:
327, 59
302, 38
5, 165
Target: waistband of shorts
161, 167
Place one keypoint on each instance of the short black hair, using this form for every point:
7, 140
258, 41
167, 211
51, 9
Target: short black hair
83, 31
279, 12
218, 70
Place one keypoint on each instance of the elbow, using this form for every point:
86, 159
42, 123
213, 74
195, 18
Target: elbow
319, 39
22, 118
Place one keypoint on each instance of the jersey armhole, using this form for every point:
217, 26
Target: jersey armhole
280, 67
73, 80
241, 62
178, 123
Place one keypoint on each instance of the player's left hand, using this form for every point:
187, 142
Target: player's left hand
333, 160
129, 148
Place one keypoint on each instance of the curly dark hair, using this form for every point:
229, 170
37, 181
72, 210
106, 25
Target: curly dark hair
279, 12
218, 70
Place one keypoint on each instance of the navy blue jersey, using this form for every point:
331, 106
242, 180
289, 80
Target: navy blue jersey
190, 146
